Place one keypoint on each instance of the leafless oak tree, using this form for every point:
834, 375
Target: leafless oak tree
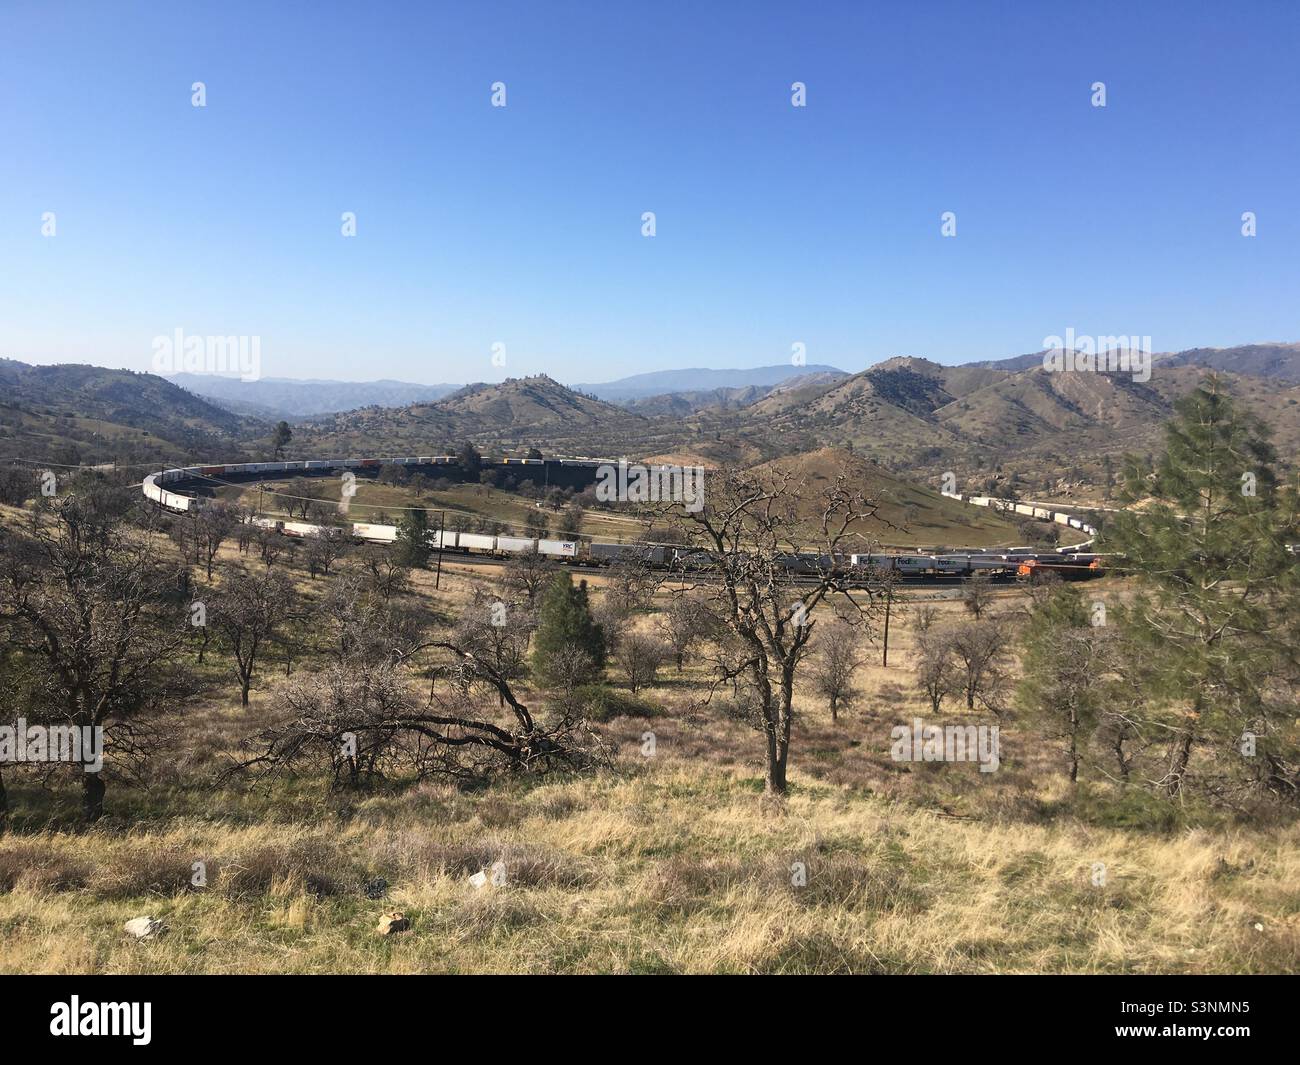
94, 626
837, 657
750, 519
246, 613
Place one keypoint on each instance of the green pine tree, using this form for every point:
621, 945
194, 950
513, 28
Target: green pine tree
281, 437
1214, 625
1064, 675
412, 544
564, 622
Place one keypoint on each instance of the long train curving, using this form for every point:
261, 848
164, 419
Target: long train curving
167, 488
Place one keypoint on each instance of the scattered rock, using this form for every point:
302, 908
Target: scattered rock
144, 927
392, 923
479, 879
377, 888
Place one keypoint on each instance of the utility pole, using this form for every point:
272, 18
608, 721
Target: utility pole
442, 526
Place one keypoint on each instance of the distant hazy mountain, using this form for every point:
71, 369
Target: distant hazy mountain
724, 399
663, 382
289, 398
1279, 362
1013, 363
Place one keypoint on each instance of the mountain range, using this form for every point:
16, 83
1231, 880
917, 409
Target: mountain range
294, 399
285, 397
993, 424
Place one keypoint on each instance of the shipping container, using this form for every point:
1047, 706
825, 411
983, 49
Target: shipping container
558, 548
384, 534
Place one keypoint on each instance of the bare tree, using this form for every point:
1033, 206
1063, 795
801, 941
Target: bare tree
497, 633
749, 521
246, 613
977, 594
631, 585
361, 716
357, 620
385, 574
216, 522
246, 532
639, 657
934, 665
837, 657
94, 627
685, 623
324, 548
924, 617
270, 545
614, 621
981, 650
526, 574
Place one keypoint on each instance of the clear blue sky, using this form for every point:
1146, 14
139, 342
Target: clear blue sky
522, 225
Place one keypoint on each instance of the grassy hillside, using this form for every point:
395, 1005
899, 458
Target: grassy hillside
666, 863
909, 515
95, 415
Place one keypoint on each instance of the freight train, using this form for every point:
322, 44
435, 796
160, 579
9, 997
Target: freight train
1035, 511
167, 489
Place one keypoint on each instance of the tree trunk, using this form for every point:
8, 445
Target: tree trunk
775, 771
776, 758
834, 710
1181, 758
92, 797
4, 806
1118, 748
1074, 745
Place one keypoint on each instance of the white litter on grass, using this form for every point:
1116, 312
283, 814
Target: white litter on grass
144, 927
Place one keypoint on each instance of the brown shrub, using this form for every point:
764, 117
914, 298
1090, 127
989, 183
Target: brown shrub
36, 867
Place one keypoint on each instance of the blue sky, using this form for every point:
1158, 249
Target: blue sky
522, 225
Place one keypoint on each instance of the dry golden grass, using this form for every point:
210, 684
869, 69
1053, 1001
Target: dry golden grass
673, 863
659, 867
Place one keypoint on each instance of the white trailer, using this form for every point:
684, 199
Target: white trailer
558, 548
383, 534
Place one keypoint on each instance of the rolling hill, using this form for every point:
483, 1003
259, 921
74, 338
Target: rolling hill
516, 414
909, 514
80, 413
